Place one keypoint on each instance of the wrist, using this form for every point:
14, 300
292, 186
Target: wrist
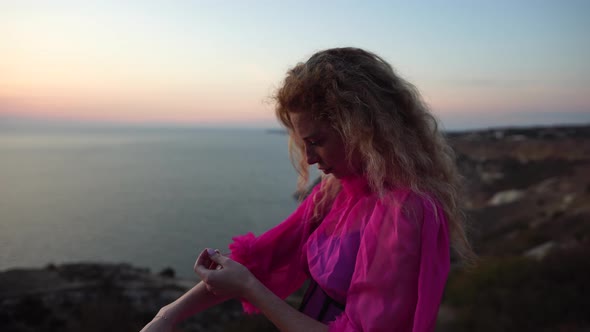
251, 288
163, 317
168, 314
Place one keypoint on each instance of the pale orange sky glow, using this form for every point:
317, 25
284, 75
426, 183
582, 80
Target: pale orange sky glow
212, 63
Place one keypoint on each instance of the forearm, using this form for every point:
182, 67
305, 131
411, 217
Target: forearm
285, 317
195, 300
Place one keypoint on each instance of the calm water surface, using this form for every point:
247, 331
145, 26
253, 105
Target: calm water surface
149, 197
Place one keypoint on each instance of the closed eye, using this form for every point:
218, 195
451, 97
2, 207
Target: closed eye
314, 142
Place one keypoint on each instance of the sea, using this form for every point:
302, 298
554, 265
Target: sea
150, 197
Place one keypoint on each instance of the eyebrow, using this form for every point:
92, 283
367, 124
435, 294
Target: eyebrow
311, 136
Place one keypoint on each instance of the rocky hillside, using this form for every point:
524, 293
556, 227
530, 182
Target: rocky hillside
528, 190
102, 297
528, 200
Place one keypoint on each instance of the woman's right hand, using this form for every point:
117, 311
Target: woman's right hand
158, 324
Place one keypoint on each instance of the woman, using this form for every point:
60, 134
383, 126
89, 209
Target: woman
374, 235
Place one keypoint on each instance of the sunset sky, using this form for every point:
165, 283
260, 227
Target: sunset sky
477, 63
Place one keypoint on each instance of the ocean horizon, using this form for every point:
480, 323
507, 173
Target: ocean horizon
150, 197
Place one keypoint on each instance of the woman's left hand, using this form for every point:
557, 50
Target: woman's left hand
229, 279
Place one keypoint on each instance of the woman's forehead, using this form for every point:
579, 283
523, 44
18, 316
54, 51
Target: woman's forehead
305, 125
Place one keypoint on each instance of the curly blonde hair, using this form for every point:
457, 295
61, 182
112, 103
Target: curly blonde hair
382, 118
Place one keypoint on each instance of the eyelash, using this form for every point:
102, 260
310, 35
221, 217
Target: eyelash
314, 142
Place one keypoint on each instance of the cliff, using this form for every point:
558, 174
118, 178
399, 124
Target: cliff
528, 203
102, 297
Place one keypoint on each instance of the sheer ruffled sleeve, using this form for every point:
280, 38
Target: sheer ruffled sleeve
401, 269
276, 257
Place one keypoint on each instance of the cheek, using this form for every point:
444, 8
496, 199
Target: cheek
341, 157
337, 155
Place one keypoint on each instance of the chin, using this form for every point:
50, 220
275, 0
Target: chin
336, 175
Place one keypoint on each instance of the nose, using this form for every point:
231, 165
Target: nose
311, 156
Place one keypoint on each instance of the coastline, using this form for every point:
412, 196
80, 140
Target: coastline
528, 200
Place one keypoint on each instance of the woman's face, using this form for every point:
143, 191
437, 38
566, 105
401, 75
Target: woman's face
323, 145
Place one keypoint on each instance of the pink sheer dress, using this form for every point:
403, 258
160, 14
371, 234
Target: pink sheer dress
386, 260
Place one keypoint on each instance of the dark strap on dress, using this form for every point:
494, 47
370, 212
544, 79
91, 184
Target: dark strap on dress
319, 305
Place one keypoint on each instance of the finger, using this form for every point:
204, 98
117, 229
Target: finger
203, 258
203, 272
219, 258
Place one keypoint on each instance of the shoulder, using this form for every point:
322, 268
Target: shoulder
398, 199
399, 205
